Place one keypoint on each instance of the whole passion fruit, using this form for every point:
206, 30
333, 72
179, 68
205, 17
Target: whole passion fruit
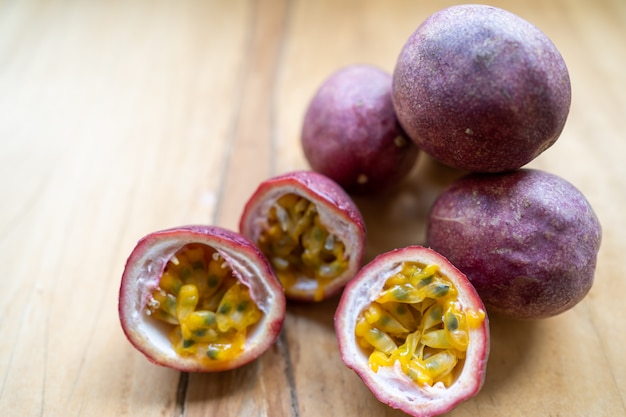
310, 230
527, 240
200, 299
351, 134
413, 328
481, 89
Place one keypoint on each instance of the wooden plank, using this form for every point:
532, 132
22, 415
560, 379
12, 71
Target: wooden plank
118, 118
262, 388
126, 140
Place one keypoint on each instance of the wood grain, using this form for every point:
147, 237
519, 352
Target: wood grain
119, 118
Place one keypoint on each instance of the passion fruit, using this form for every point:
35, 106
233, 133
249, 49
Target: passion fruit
481, 89
310, 230
413, 328
351, 134
527, 240
200, 299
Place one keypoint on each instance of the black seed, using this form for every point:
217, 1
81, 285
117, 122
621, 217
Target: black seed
224, 308
213, 281
436, 311
212, 352
185, 273
452, 323
441, 290
425, 281
209, 319
242, 306
169, 304
400, 293
198, 265
318, 234
188, 343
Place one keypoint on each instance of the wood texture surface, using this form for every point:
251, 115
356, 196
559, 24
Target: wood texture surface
119, 118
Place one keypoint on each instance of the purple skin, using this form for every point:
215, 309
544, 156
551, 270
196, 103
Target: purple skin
481, 89
527, 240
351, 134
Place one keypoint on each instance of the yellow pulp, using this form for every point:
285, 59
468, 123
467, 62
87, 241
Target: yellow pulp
417, 321
208, 308
299, 246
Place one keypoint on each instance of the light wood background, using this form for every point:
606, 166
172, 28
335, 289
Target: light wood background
119, 118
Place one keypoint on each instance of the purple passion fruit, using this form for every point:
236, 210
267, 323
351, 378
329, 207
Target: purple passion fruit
527, 240
310, 230
414, 329
200, 299
481, 89
351, 134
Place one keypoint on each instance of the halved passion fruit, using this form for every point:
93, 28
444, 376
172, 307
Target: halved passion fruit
310, 230
413, 328
200, 299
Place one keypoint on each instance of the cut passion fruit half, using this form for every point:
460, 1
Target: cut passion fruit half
200, 298
413, 328
310, 230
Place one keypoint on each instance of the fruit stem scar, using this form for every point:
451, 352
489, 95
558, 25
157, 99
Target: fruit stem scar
400, 141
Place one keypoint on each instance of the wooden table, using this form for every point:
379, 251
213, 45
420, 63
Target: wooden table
119, 118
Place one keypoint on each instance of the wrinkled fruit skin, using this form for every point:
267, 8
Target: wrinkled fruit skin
527, 240
141, 276
481, 89
351, 134
336, 209
390, 385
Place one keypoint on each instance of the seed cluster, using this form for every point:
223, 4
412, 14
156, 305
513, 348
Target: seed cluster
417, 321
209, 309
299, 246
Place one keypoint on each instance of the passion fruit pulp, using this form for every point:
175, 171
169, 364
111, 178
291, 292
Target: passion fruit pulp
413, 328
309, 229
200, 298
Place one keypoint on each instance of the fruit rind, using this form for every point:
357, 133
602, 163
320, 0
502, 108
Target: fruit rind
481, 89
351, 134
142, 274
390, 385
528, 240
